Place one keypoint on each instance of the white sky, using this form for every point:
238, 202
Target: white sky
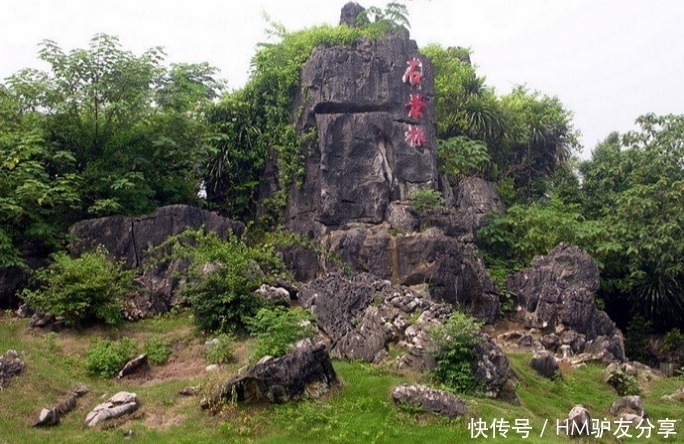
609, 61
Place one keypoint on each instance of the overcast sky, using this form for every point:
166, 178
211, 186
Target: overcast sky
608, 61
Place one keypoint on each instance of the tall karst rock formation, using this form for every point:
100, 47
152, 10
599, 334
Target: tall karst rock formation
372, 105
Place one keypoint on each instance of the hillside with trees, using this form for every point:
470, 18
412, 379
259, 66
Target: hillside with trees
288, 187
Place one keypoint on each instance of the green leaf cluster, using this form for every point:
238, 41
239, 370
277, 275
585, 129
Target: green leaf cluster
455, 342
157, 350
106, 357
276, 329
81, 290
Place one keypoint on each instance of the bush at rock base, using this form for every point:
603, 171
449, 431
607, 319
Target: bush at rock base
158, 350
222, 277
106, 357
84, 289
623, 383
276, 329
221, 349
455, 341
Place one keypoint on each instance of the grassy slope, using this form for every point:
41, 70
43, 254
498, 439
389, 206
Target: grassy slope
361, 411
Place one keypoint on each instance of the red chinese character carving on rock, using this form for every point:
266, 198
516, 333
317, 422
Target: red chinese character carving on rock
416, 105
415, 136
414, 73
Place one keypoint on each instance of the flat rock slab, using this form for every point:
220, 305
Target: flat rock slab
430, 400
123, 403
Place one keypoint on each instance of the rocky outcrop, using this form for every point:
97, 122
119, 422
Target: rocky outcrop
10, 366
628, 407
454, 271
305, 372
429, 400
130, 238
556, 296
544, 363
51, 416
371, 105
123, 403
577, 424
364, 317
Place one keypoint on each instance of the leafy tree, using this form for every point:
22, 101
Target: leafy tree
464, 105
635, 184
132, 126
38, 187
539, 138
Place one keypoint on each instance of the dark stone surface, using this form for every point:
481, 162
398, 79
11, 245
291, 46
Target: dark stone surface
430, 400
350, 13
129, 238
557, 294
356, 99
454, 270
305, 372
544, 363
10, 366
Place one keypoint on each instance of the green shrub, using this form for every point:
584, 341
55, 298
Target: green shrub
221, 296
106, 357
455, 342
623, 383
88, 288
461, 156
672, 340
158, 350
221, 351
425, 201
276, 329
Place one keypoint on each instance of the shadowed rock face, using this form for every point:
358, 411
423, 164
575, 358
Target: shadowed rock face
362, 170
557, 296
130, 238
305, 372
356, 99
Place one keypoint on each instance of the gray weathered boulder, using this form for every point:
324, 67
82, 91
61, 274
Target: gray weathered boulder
628, 404
123, 403
556, 295
429, 400
274, 295
304, 372
350, 14
10, 366
578, 422
677, 396
138, 365
544, 363
362, 317
129, 239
